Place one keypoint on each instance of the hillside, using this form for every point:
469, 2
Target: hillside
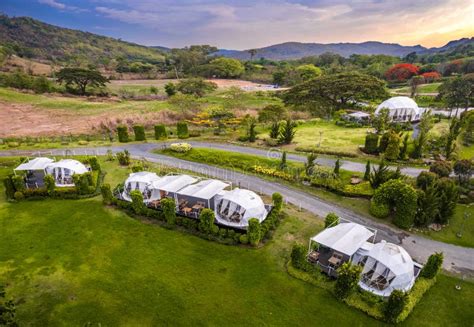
31, 38
296, 50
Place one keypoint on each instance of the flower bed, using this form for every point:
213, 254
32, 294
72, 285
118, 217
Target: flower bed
181, 147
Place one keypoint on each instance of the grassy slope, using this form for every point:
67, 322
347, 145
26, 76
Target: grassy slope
74, 262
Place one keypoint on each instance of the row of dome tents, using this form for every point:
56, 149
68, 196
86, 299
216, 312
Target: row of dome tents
232, 207
36, 169
386, 266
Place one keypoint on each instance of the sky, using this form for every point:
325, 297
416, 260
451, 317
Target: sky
246, 24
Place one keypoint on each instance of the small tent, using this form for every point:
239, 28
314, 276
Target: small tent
235, 208
35, 171
64, 169
204, 190
141, 181
170, 184
387, 267
401, 109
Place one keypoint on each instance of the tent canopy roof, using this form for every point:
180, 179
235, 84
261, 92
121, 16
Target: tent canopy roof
346, 238
35, 164
71, 164
393, 257
205, 189
399, 102
244, 198
142, 177
173, 183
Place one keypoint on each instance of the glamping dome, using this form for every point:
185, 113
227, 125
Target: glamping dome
141, 181
63, 170
401, 109
234, 208
387, 267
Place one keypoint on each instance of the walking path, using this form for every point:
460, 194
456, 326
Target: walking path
457, 259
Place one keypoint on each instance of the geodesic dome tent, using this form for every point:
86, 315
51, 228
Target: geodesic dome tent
387, 267
235, 208
401, 109
64, 169
141, 181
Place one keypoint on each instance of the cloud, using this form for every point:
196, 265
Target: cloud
255, 23
61, 6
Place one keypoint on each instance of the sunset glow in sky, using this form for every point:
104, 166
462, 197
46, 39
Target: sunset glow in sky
244, 24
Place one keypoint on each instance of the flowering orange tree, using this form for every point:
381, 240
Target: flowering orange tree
401, 72
431, 76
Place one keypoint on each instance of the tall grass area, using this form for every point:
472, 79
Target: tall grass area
67, 262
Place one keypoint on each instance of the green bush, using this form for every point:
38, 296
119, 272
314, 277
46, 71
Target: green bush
19, 183
448, 197
49, 183
331, 220
122, 132
139, 131
371, 143
392, 151
94, 163
9, 188
243, 239
432, 267
384, 142
169, 210
106, 194
123, 158
277, 200
19, 196
160, 132
441, 168
395, 305
182, 130
137, 201
298, 257
254, 231
379, 210
348, 276
206, 220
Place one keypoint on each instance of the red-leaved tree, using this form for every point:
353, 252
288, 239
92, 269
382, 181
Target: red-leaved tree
431, 76
401, 72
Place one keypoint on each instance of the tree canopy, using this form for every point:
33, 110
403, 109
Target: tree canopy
82, 78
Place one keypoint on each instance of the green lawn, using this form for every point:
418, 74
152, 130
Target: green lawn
424, 88
75, 262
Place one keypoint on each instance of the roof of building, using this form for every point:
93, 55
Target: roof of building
346, 238
399, 102
35, 164
393, 257
142, 177
246, 202
173, 183
71, 164
205, 189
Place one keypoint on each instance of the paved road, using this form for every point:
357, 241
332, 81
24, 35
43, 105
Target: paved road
457, 259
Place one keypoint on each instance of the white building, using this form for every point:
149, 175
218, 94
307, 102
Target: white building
35, 170
141, 181
234, 208
401, 109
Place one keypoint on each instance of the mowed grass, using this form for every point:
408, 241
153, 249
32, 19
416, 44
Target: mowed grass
424, 88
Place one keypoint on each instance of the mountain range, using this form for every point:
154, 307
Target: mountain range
32, 38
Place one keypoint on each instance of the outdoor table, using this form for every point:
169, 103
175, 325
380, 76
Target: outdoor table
334, 261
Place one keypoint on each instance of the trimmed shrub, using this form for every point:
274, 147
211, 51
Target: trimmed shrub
182, 130
123, 158
180, 147
137, 201
395, 305
9, 188
254, 231
243, 239
169, 210
379, 210
19, 196
367, 171
371, 143
384, 142
206, 220
432, 266
94, 163
277, 200
331, 220
139, 131
83, 183
347, 278
441, 168
426, 179
106, 192
448, 198
19, 183
392, 151
122, 132
49, 183
298, 257
398, 195
160, 132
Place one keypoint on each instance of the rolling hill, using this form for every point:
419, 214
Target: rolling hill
31, 38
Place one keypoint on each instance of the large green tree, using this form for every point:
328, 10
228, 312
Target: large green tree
195, 86
226, 67
327, 93
81, 78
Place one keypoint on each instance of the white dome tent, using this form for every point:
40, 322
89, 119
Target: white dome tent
401, 109
387, 267
141, 181
235, 208
64, 169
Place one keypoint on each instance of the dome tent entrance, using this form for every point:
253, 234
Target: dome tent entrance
64, 169
141, 181
387, 267
235, 208
401, 109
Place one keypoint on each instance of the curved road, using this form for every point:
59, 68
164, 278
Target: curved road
457, 259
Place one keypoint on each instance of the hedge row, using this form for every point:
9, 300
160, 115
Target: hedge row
313, 149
